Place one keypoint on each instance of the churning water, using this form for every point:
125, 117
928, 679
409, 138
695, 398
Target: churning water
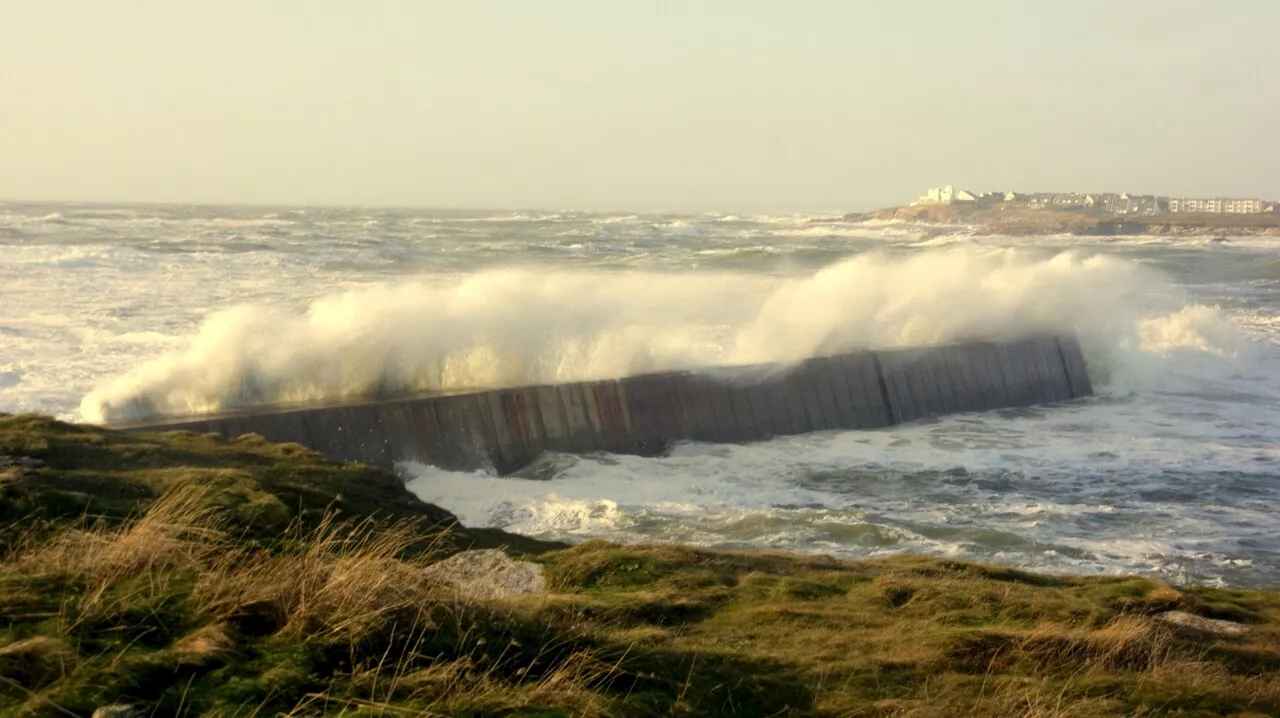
115, 312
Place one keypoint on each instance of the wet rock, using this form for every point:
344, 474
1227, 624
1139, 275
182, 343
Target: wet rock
489, 573
1218, 627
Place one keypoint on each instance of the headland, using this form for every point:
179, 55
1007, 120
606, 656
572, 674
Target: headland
1082, 214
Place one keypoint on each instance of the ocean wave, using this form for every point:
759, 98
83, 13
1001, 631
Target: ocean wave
512, 327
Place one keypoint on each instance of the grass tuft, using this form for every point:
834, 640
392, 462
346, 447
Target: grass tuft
187, 575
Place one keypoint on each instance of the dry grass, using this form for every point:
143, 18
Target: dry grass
345, 617
191, 604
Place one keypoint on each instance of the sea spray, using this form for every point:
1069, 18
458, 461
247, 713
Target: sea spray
520, 326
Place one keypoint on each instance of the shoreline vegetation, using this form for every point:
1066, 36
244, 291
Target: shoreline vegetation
1020, 219
183, 574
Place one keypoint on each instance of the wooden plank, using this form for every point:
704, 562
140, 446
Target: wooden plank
874, 409
286, 427
667, 410
682, 394
1044, 370
1059, 381
793, 395
924, 395
582, 418
826, 384
368, 437
332, 425
843, 397
639, 414
1024, 355
726, 424
208, 426
901, 397
745, 427
535, 436
553, 419
699, 392
643, 405
614, 425
956, 394
977, 377
972, 388
991, 383
899, 406
318, 426
1002, 370
805, 380
995, 369
406, 442
775, 392
466, 434
652, 411
506, 427
508, 445
523, 424
454, 450
1077, 369
951, 382
1015, 379
761, 407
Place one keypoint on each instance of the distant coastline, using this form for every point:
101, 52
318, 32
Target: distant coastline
1020, 219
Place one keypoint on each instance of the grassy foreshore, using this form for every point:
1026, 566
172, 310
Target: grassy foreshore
189, 575
1021, 219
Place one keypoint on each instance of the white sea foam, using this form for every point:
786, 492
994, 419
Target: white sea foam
510, 327
1170, 470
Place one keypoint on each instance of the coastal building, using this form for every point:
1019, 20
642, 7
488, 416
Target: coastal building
1112, 203
1143, 204
947, 195
1071, 199
1216, 205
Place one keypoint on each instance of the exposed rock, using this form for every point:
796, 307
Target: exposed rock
489, 573
118, 711
1182, 619
22, 462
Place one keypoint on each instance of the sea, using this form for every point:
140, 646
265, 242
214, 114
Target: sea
110, 313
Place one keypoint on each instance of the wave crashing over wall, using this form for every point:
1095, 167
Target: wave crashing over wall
520, 326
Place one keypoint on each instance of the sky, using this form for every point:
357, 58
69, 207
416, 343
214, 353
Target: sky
612, 104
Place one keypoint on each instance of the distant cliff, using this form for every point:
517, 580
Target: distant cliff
1022, 219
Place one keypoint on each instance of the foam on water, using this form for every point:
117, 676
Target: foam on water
513, 327
1172, 469
1176, 484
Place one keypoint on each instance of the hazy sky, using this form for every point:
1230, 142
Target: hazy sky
817, 104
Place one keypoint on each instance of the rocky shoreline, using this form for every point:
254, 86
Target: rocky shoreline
1015, 219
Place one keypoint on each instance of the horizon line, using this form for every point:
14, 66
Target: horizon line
692, 208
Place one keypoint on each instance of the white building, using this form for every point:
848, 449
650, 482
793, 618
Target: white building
1217, 205
948, 194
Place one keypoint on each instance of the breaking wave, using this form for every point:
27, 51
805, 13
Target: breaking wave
509, 327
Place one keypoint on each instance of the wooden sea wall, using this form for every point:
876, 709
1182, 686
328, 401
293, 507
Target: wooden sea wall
505, 429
